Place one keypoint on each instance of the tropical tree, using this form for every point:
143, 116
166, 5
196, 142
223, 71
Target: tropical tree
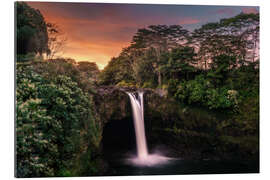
144, 68
57, 40
220, 68
89, 70
31, 30
117, 70
180, 61
236, 36
160, 38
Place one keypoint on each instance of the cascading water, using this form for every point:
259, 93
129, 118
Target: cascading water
138, 119
143, 158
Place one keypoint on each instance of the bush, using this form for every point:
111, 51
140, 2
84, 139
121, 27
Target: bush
66, 67
217, 98
249, 122
199, 91
172, 86
125, 84
193, 91
148, 84
28, 57
54, 117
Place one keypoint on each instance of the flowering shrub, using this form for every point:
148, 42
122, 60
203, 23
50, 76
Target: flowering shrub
232, 95
53, 119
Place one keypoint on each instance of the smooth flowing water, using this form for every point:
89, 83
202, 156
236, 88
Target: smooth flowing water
120, 140
143, 157
138, 118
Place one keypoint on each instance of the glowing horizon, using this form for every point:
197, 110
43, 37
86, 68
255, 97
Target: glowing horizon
97, 32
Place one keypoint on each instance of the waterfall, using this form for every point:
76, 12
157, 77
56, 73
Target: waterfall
138, 119
143, 158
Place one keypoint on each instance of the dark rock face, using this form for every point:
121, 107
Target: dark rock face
108, 90
191, 132
113, 103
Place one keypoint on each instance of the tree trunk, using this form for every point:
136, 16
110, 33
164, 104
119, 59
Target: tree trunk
254, 49
158, 69
159, 78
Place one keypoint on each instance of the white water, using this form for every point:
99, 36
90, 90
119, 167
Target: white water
143, 158
138, 119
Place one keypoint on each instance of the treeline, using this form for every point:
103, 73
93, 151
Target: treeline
212, 66
36, 38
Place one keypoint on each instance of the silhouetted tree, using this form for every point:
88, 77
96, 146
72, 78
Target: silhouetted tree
31, 30
57, 40
89, 69
161, 38
237, 36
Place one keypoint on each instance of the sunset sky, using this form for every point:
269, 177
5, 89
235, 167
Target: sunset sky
98, 32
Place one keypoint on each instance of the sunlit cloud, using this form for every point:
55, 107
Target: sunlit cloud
226, 11
189, 20
250, 10
97, 32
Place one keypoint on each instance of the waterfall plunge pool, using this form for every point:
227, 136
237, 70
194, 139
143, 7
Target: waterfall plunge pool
122, 154
119, 148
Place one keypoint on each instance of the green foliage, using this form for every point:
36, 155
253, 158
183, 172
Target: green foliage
144, 69
125, 84
247, 80
27, 57
148, 85
31, 30
54, 116
232, 37
192, 91
221, 98
172, 86
83, 74
35, 150
221, 66
142, 60
89, 69
245, 123
178, 63
200, 91
117, 70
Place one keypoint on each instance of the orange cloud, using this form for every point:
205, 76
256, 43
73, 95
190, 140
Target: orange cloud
250, 10
95, 40
227, 11
101, 32
97, 32
189, 20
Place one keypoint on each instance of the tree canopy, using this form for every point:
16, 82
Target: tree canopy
31, 31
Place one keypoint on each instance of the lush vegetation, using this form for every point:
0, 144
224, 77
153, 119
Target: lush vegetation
56, 119
215, 67
58, 114
31, 32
